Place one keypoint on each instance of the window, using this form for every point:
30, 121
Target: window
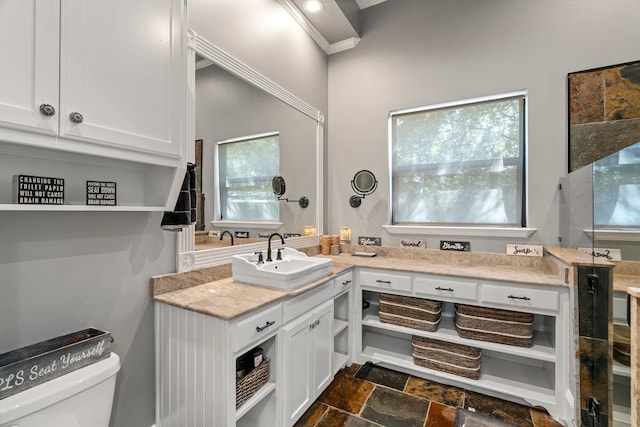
459, 164
616, 195
246, 167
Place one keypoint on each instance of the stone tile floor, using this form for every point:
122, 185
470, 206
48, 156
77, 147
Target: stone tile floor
373, 396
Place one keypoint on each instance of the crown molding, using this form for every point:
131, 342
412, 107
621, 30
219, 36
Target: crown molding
321, 41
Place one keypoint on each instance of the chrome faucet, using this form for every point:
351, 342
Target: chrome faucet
269, 244
229, 233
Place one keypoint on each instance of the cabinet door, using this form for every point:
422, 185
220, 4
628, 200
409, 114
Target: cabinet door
29, 44
322, 347
123, 68
298, 367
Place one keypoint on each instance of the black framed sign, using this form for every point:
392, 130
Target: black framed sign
101, 193
38, 190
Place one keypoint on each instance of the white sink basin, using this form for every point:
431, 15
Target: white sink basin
294, 270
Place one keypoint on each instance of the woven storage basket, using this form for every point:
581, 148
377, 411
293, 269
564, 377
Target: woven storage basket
248, 385
622, 344
443, 356
417, 313
494, 325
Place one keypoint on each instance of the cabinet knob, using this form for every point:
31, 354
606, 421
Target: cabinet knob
47, 110
76, 117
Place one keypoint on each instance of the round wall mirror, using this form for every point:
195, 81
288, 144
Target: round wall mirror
278, 185
364, 182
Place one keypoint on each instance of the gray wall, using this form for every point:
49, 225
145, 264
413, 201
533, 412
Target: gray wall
61, 272
421, 52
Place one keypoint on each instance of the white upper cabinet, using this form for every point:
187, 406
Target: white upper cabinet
29, 47
94, 90
108, 78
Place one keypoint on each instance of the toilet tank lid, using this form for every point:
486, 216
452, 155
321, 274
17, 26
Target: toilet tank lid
58, 389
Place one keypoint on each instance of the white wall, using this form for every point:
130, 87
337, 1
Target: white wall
421, 52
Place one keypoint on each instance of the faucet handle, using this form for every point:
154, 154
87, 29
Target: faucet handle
260, 258
279, 255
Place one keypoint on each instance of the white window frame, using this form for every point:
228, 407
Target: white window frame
245, 223
462, 229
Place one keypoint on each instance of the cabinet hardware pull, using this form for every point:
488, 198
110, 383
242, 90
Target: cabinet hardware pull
317, 322
386, 282
444, 289
346, 282
266, 325
522, 298
47, 110
76, 117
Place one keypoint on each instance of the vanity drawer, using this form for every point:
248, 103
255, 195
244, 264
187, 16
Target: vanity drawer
252, 328
520, 297
342, 282
385, 281
301, 304
457, 289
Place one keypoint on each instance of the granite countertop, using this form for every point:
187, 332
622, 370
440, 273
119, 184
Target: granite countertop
226, 299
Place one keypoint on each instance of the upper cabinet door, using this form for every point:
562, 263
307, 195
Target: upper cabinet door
29, 48
123, 75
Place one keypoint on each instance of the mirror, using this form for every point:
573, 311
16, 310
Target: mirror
278, 185
363, 183
232, 102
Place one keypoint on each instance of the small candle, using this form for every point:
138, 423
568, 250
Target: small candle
345, 233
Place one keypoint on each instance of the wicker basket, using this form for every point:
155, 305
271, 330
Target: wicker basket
622, 344
494, 325
417, 313
443, 356
248, 385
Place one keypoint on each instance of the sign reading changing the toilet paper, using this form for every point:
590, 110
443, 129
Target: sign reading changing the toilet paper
101, 193
36, 364
38, 190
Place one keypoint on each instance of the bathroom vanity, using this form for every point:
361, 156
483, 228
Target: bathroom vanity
309, 333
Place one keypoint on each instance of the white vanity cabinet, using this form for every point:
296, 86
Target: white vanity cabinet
306, 360
88, 82
307, 341
196, 367
538, 375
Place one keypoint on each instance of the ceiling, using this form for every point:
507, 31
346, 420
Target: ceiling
336, 27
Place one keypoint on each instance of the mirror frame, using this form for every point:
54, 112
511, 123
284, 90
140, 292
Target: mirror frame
187, 257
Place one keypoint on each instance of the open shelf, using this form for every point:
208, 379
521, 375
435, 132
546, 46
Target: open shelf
339, 326
79, 208
532, 382
542, 349
140, 187
339, 361
264, 391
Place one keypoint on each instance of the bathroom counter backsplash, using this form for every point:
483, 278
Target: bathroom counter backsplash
213, 292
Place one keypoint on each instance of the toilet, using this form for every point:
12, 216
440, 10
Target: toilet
82, 398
